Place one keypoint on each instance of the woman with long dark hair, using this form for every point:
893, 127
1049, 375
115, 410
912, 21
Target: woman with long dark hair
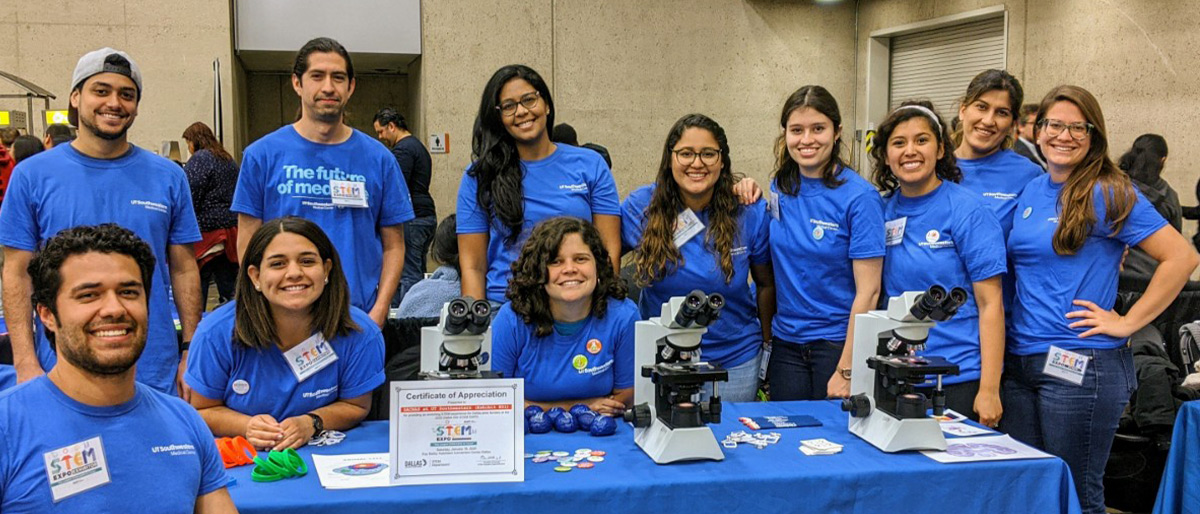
212, 176
1068, 371
568, 328
519, 177
728, 246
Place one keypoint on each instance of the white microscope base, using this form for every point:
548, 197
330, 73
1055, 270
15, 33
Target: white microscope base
894, 435
666, 446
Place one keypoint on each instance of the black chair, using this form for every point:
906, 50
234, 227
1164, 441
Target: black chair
402, 359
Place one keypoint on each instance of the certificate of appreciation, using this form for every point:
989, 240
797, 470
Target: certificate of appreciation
457, 431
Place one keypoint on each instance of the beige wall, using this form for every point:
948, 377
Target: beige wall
272, 103
174, 44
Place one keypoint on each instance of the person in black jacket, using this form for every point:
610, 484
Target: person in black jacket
415, 163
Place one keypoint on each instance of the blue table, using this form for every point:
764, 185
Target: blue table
1183, 466
778, 478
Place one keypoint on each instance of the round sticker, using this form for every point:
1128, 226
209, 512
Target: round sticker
932, 236
1028, 211
818, 233
594, 346
579, 362
241, 386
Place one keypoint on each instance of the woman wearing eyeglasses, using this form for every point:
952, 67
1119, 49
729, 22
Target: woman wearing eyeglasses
826, 234
1068, 372
519, 177
689, 231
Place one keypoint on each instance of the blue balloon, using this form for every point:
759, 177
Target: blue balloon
526, 426
555, 412
532, 409
578, 409
539, 423
565, 423
604, 425
585, 419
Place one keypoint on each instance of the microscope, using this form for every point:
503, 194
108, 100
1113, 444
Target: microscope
885, 409
460, 346
670, 424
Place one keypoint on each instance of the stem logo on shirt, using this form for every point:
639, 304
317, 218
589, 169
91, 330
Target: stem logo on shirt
76, 468
594, 346
302, 181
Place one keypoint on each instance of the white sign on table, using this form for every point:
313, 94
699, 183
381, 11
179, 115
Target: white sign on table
457, 431
975, 449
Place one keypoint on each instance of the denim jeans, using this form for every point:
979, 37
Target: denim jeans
1074, 422
802, 371
418, 235
742, 385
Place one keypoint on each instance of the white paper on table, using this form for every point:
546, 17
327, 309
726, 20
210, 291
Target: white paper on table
964, 430
352, 471
975, 449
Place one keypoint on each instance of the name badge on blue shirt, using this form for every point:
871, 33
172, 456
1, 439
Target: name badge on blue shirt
1066, 364
773, 205
76, 468
310, 356
347, 193
687, 225
894, 234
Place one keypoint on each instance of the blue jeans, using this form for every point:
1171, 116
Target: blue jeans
742, 385
802, 371
418, 234
1074, 422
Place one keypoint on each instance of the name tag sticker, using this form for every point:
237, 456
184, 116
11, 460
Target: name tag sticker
309, 357
76, 468
1066, 364
773, 205
687, 225
346, 193
894, 231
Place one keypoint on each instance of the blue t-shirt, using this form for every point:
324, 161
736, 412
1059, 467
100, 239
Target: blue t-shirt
950, 239
818, 234
157, 450
1047, 283
570, 182
737, 334
591, 363
147, 194
216, 362
999, 178
284, 174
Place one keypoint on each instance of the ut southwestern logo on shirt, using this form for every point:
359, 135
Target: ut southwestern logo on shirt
820, 227
153, 206
575, 188
175, 449
300, 181
580, 363
933, 240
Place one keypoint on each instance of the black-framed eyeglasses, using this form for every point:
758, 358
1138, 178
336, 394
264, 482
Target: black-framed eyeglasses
528, 100
686, 156
1078, 130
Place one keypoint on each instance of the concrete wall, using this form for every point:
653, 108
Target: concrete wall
174, 43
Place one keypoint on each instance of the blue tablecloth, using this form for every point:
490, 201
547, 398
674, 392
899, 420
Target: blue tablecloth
778, 478
1183, 466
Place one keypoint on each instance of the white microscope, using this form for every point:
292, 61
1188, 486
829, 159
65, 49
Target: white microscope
885, 409
670, 424
460, 346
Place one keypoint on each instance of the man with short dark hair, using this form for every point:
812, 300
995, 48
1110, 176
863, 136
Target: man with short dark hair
320, 169
56, 134
86, 437
415, 163
100, 178
8, 135
1024, 144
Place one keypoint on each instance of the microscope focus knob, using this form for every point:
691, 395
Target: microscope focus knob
639, 415
858, 405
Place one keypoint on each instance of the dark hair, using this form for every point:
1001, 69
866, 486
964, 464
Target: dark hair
1143, 162
527, 289
26, 145
388, 115
445, 242
1026, 110
993, 80
58, 131
946, 167
564, 133
787, 171
253, 324
657, 255
497, 166
45, 269
203, 138
8, 135
322, 45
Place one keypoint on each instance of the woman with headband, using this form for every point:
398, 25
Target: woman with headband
939, 232
1068, 372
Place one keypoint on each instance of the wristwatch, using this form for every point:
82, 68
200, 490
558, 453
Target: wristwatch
844, 372
318, 423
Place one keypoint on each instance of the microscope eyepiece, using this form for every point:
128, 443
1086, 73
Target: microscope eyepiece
712, 309
481, 316
457, 316
928, 302
955, 299
693, 307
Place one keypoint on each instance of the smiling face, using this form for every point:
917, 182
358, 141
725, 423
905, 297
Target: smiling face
107, 104
571, 274
100, 323
810, 137
526, 125
1063, 152
912, 155
292, 275
325, 87
697, 178
985, 123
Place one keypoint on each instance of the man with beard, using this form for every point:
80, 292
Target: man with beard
99, 178
320, 169
86, 437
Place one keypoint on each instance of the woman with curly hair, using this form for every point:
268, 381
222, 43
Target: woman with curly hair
939, 232
689, 231
568, 328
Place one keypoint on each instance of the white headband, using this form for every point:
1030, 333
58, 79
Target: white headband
927, 112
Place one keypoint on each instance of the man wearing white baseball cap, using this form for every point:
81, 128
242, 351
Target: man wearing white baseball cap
101, 178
